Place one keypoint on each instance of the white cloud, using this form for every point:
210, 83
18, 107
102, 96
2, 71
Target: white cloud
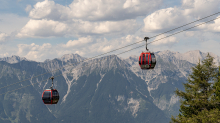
2, 55
164, 19
191, 10
131, 3
103, 45
81, 41
49, 10
161, 40
47, 28
106, 27
84, 46
43, 28
86, 17
201, 8
91, 46
36, 52
99, 45
213, 27
94, 10
113, 9
3, 37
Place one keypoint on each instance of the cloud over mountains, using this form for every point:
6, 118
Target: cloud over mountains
91, 27
191, 10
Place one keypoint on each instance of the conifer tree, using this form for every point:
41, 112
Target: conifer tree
197, 100
217, 88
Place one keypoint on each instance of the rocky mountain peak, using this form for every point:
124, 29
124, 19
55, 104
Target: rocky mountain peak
13, 59
108, 62
68, 57
196, 55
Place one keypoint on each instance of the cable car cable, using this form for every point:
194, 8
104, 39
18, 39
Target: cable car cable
185, 25
185, 30
123, 52
116, 49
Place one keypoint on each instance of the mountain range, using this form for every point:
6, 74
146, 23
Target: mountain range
108, 89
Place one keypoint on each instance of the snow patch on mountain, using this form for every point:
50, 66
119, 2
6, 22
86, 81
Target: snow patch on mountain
97, 85
133, 106
120, 98
173, 100
69, 82
164, 103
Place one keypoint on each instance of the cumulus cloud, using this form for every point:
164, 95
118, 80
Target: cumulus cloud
94, 10
106, 27
81, 41
35, 52
3, 37
86, 17
43, 28
200, 8
48, 28
166, 19
103, 45
161, 40
2, 55
90, 46
113, 9
98, 45
85, 46
49, 10
213, 27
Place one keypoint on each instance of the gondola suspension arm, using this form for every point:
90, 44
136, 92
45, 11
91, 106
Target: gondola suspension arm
146, 38
52, 82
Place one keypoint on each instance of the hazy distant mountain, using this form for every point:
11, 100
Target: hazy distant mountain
13, 59
107, 89
69, 58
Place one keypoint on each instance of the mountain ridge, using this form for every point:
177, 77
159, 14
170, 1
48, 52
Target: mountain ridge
113, 88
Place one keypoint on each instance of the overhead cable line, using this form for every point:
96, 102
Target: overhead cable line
119, 48
184, 30
185, 25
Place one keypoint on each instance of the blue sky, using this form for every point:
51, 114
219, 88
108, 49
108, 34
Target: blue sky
47, 29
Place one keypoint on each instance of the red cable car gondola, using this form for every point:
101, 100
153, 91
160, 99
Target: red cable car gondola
50, 96
147, 60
